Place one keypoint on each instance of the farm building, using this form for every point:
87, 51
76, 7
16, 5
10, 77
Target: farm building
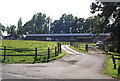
82, 37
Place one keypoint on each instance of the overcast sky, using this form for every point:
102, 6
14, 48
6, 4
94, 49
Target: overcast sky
12, 10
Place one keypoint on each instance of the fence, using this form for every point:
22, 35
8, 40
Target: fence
114, 61
114, 57
57, 50
79, 46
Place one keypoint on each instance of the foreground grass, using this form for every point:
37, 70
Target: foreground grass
109, 69
42, 47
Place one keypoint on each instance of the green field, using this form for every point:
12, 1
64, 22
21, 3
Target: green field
42, 47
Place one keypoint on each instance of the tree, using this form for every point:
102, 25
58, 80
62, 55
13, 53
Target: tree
93, 25
2, 29
46, 29
67, 24
37, 25
20, 29
111, 13
11, 31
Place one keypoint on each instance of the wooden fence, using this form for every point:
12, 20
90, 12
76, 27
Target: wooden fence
114, 58
57, 50
114, 61
78, 45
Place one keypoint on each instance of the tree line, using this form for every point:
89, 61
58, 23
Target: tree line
41, 24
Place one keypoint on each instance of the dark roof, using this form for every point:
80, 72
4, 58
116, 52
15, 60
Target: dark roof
70, 34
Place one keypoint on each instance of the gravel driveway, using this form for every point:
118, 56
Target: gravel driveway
74, 65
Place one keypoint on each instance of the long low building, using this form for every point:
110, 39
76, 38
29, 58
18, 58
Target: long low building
83, 37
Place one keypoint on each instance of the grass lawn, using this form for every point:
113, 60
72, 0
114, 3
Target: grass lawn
110, 66
42, 47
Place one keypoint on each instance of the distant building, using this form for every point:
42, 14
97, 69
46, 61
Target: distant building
81, 37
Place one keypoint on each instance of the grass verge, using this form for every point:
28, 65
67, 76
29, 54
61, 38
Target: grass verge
109, 69
59, 56
82, 50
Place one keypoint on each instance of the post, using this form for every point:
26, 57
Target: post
55, 51
35, 55
74, 44
119, 70
86, 47
60, 47
4, 52
106, 49
48, 54
114, 61
77, 45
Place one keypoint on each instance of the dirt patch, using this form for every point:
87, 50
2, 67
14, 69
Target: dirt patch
70, 61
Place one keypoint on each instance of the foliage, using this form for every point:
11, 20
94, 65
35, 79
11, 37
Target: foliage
39, 24
63, 25
111, 19
11, 31
68, 24
94, 24
20, 29
2, 29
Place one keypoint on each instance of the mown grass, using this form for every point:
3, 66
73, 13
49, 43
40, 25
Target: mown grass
42, 46
109, 69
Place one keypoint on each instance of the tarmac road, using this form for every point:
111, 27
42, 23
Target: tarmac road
74, 65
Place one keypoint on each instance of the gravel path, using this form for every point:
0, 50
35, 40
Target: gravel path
74, 65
